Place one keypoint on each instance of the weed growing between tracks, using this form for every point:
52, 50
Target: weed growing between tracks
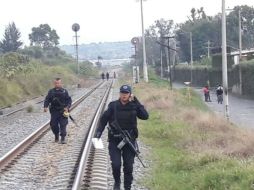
192, 148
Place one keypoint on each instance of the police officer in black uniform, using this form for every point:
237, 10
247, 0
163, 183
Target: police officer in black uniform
102, 76
125, 110
58, 101
107, 75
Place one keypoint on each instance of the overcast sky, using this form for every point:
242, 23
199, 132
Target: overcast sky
100, 20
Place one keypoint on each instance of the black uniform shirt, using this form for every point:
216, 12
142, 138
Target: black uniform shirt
57, 99
126, 115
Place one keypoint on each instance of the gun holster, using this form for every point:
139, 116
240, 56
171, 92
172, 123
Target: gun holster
112, 133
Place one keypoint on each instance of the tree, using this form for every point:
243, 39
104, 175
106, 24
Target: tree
247, 18
201, 13
193, 14
11, 42
161, 28
203, 29
44, 36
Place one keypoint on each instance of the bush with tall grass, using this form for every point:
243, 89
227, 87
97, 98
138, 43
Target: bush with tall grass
30, 72
191, 147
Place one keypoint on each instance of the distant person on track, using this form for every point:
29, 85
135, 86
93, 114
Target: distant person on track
207, 94
125, 112
114, 75
58, 101
107, 75
102, 76
219, 93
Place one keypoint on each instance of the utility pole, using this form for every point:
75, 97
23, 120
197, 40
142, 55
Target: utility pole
191, 50
169, 75
174, 60
224, 61
168, 62
240, 49
167, 59
75, 28
161, 62
191, 54
135, 61
76, 47
240, 35
144, 44
135, 42
208, 49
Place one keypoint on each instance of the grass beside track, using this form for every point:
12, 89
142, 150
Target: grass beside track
36, 83
191, 147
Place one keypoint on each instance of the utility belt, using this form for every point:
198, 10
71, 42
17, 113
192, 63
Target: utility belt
122, 141
56, 109
118, 136
115, 135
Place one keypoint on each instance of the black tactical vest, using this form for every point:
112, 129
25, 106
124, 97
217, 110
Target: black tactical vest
126, 115
58, 99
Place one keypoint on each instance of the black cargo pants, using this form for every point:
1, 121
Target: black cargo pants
58, 121
128, 160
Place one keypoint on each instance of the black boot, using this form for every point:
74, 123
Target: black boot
127, 188
63, 141
127, 185
116, 186
57, 138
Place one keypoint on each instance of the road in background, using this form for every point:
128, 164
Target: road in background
241, 111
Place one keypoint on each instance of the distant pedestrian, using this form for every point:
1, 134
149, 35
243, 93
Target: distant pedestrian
114, 75
58, 101
102, 76
207, 94
219, 93
107, 75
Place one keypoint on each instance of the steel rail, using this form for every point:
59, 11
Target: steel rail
19, 148
88, 144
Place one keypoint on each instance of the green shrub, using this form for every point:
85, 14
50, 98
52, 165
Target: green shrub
13, 63
30, 109
205, 61
217, 61
248, 78
200, 75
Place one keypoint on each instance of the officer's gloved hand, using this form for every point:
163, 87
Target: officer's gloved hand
136, 101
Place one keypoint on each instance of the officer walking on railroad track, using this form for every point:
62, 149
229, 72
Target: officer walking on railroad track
107, 75
59, 103
102, 76
124, 112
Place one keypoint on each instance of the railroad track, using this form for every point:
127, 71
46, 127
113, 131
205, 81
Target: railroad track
22, 107
15, 128
19, 109
39, 163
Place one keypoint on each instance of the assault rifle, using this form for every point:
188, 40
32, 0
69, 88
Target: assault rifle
126, 140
